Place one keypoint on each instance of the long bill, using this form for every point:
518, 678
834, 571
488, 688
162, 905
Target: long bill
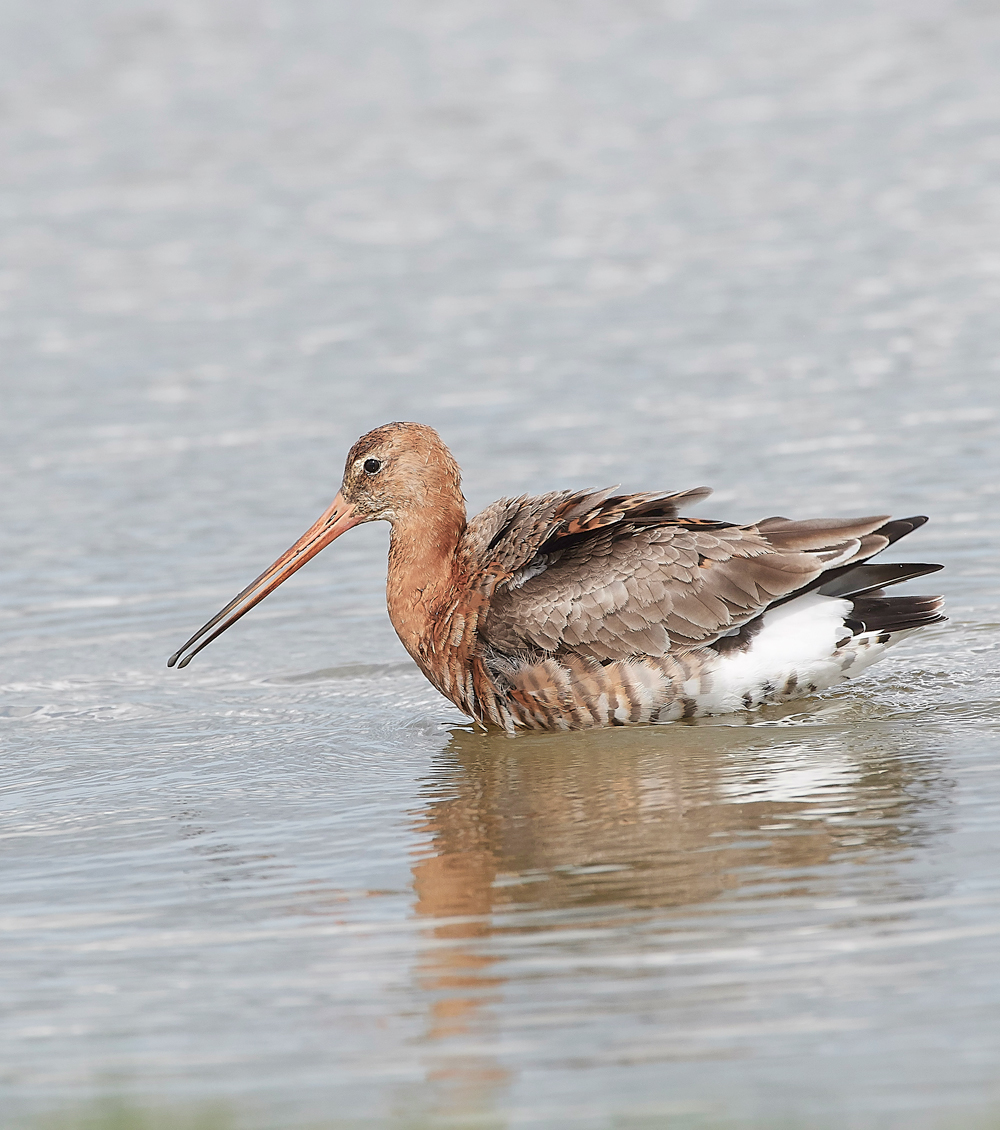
339, 517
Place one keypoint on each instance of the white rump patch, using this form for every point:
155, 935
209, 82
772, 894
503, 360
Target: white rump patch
794, 654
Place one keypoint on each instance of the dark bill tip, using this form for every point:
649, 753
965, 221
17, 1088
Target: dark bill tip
334, 521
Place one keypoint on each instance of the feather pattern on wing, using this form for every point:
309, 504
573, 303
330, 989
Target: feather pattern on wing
607, 577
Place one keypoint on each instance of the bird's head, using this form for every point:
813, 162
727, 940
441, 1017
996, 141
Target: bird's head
399, 473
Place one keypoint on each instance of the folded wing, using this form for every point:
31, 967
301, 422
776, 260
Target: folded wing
606, 577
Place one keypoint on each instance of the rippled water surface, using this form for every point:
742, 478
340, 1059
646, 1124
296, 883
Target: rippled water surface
752, 244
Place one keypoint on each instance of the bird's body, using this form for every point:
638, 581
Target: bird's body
583, 608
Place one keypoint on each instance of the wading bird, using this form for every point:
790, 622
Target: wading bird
575, 609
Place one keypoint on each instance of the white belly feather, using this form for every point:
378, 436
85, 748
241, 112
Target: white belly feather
802, 648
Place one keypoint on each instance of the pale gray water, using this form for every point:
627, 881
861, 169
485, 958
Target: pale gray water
755, 245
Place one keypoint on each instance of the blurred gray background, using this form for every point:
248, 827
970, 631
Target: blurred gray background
755, 244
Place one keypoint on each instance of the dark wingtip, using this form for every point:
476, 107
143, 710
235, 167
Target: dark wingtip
185, 661
897, 528
173, 659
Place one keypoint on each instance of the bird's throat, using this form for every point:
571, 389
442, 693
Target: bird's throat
422, 580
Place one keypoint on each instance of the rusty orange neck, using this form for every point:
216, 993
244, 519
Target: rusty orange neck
423, 568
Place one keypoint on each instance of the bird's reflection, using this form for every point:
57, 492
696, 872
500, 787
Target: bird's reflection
537, 832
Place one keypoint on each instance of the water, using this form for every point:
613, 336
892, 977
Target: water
754, 245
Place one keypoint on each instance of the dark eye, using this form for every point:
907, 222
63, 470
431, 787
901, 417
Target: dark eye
373, 466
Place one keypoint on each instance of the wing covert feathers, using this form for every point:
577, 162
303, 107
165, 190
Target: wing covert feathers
609, 577
510, 532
